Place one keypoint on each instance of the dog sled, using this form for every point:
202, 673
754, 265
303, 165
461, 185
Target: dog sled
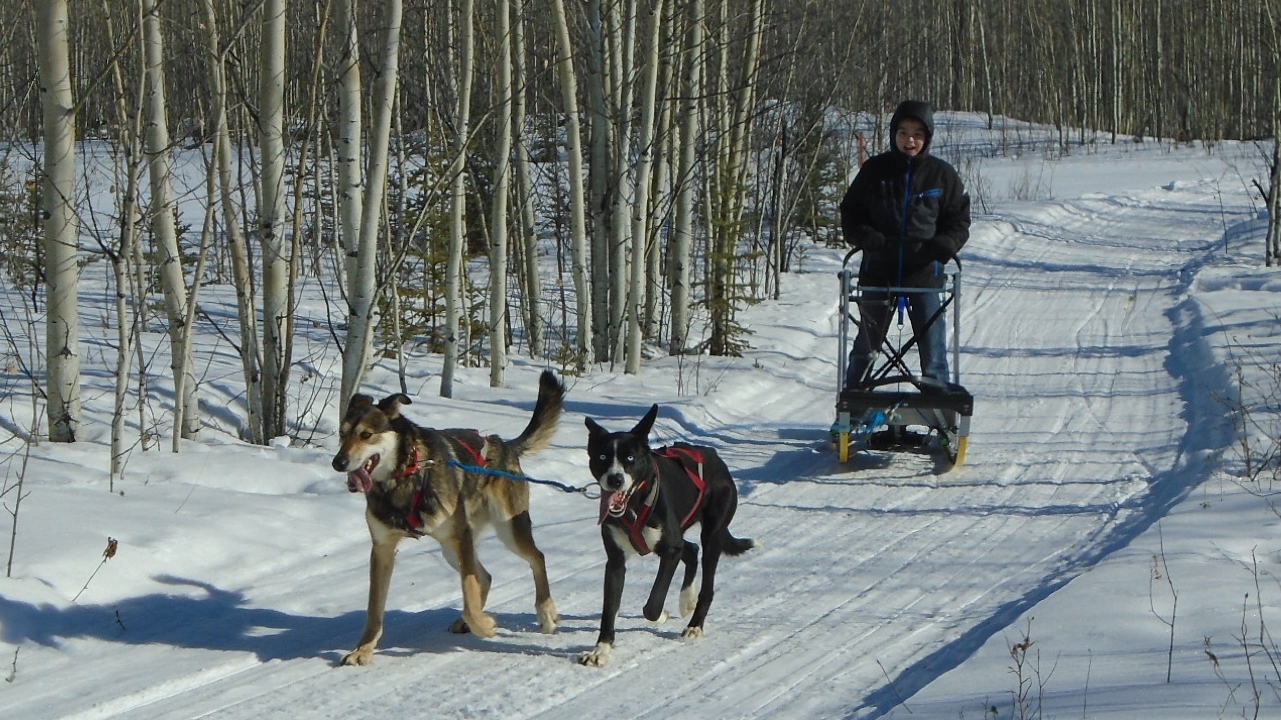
895, 409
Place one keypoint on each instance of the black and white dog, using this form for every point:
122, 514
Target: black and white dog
648, 499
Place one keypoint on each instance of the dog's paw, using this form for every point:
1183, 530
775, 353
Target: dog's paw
692, 632
547, 617
483, 625
689, 600
662, 617
359, 656
598, 657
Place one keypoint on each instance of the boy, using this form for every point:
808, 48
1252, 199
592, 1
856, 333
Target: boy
909, 214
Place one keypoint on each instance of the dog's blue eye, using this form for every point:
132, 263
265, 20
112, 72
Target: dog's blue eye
631, 458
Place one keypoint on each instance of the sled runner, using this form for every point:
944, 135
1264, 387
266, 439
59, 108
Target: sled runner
895, 409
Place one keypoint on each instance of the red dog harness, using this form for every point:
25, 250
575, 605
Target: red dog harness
633, 520
412, 518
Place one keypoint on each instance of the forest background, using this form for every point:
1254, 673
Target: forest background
420, 159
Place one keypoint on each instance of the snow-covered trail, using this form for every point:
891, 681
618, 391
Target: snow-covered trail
873, 579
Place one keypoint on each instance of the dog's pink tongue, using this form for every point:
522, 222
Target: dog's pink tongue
605, 501
611, 504
359, 480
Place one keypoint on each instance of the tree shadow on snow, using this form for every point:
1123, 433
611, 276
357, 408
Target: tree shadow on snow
221, 620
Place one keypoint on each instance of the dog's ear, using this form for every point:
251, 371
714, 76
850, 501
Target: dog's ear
390, 405
359, 403
593, 427
646, 423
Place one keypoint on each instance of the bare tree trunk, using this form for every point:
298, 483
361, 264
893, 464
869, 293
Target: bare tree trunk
164, 227
360, 261
360, 329
1272, 244
640, 213
577, 205
250, 356
457, 239
732, 177
661, 200
599, 182
498, 211
127, 291
271, 217
678, 270
531, 282
62, 327
621, 53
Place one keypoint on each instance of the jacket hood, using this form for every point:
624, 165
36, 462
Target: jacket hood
918, 109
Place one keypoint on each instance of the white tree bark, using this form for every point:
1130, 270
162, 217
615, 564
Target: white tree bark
250, 356
359, 264
498, 211
599, 180
640, 211
271, 217
531, 281
622, 54
683, 230
62, 326
457, 239
362, 286
127, 291
164, 228
577, 204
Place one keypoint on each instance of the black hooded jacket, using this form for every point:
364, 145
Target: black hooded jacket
899, 251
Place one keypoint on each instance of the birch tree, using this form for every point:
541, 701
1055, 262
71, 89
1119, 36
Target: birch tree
362, 284
271, 217
498, 210
123, 259
599, 180
640, 213
622, 53
727, 229
350, 194
237, 249
57, 195
164, 226
531, 282
577, 205
678, 269
458, 207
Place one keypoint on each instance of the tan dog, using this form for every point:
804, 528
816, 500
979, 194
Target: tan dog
451, 485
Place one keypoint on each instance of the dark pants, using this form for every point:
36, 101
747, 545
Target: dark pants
877, 310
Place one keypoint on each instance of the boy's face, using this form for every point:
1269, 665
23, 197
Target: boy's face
910, 137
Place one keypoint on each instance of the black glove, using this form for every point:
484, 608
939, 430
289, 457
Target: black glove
873, 241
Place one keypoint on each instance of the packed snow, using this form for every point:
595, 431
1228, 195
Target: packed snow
1101, 553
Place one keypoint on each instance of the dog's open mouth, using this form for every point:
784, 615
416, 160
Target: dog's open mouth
614, 504
360, 480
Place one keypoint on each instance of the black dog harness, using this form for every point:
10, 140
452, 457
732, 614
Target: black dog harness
633, 519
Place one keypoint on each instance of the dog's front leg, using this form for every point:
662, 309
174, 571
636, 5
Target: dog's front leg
615, 577
382, 559
669, 556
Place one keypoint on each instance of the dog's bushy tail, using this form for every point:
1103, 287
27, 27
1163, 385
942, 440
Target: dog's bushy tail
547, 411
